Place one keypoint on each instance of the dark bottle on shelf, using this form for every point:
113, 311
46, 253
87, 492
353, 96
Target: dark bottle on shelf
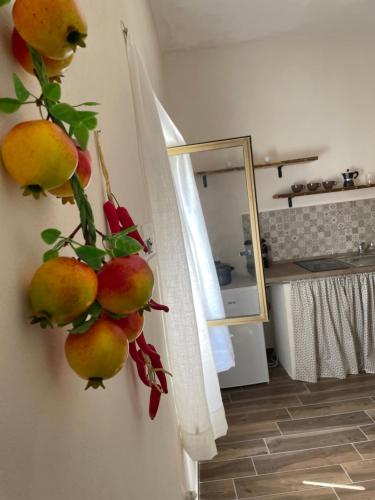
264, 250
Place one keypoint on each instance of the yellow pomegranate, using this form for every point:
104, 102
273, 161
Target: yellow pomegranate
83, 172
53, 27
98, 354
39, 155
62, 289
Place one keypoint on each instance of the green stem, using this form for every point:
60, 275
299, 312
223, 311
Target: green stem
83, 204
85, 211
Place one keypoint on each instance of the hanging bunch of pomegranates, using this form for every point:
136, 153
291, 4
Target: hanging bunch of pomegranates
100, 294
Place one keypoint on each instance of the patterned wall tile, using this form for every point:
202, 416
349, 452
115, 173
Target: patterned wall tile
318, 230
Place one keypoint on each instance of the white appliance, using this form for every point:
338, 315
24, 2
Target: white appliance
248, 340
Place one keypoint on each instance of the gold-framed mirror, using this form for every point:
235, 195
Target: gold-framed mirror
224, 175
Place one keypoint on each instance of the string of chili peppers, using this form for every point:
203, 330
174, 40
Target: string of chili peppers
145, 356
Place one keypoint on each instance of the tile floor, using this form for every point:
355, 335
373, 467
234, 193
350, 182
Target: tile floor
286, 432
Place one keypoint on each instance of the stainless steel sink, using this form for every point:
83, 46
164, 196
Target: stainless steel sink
321, 265
360, 260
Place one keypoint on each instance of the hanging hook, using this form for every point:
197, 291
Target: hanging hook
124, 29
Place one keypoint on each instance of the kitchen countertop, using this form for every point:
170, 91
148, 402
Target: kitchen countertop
287, 271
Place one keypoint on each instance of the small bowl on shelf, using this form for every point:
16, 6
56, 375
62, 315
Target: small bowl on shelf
297, 188
313, 186
328, 185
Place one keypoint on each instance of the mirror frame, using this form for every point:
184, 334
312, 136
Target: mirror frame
245, 143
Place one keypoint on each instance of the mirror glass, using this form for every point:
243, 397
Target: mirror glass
225, 184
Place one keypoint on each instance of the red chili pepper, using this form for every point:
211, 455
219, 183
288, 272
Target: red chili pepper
156, 363
141, 369
154, 402
134, 353
112, 217
146, 348
126, 222
158, 307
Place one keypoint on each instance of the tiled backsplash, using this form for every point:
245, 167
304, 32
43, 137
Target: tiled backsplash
316, 230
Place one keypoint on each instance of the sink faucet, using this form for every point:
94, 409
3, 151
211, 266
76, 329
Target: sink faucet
362, 246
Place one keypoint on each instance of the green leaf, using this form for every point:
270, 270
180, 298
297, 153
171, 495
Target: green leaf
50, 235
9, 105
64, 112
52, 91
4, 2
82, 134
95, 309
130, 229
123, 245
116, 316
84, 326
51, 254
87, 118
21, 91
85, 115
91, 255
89, 103
39, 66
91, 123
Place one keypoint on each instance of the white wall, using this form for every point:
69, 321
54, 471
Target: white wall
59, 442
223, 202
295, 96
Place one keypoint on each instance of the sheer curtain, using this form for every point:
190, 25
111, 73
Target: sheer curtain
200, 259
196, 389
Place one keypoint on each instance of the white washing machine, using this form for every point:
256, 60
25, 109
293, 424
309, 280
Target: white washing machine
248, 340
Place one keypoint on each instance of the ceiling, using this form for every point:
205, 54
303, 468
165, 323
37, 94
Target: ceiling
186, 24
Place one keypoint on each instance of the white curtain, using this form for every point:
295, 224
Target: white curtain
200, 260
196, 389
334, 326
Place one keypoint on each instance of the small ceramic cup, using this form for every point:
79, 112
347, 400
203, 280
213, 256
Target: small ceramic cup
297, 188
313, 186
328, 185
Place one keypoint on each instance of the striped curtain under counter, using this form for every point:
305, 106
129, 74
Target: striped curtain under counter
334, 326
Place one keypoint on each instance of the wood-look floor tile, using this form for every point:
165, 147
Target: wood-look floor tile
314, 440
242, 449
285, 482
246, 432
277, 373
267, 390
337, 395
323, 409
256, 405
320, 423
217, 490
369, 430
368, 494
350, 381
305, 459
320, 494
260, 416
225, 397
371, 412
363, 470
366, 449
211, 471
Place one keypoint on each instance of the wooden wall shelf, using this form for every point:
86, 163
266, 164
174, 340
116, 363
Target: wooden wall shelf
275, 164
290, 196
284, 163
